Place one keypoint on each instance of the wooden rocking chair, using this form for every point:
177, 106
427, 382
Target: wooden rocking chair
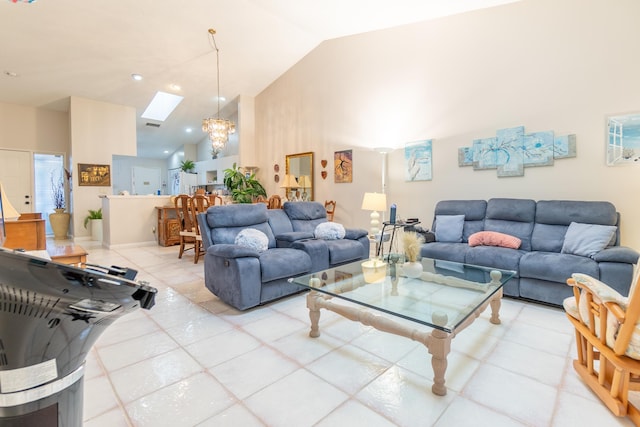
608, 341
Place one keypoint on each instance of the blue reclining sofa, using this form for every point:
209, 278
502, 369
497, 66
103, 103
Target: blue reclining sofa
245, 277
556, 238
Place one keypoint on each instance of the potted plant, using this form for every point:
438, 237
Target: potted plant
411, 242
95, 219
59, 220
187, 166
244, 187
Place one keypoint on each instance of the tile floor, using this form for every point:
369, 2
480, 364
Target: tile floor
194, 361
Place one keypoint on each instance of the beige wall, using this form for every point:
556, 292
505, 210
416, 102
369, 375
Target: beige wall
541, 64
98, 131
33, 129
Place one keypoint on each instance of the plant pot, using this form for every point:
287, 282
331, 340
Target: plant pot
59, 221
96, 229
412, 269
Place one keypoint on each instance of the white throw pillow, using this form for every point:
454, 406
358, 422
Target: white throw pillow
329, 231
252, 239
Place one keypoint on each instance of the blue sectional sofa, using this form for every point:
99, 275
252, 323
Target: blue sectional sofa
245, 276
556, 238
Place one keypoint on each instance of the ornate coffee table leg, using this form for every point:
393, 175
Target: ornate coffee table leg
439, 347
314, 313
496, 299
496, 302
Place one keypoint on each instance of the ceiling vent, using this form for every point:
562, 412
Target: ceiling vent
153, 125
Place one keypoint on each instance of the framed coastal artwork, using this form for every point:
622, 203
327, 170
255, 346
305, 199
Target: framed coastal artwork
623, 139
418, 161
343, 166
94, 175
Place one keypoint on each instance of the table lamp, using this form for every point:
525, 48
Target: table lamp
304, 182
374, 202
288, 183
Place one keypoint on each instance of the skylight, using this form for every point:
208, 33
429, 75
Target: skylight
161, 106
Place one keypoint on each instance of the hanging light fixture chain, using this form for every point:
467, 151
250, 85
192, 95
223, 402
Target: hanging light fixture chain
212, 33
217, 128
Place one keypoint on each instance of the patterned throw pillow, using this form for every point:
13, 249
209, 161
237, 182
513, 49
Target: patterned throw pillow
329, 231
493, 238
252, 239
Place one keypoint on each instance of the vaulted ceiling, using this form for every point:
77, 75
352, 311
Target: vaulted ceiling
53, 49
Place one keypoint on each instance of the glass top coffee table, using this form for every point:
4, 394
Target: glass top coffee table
445, 298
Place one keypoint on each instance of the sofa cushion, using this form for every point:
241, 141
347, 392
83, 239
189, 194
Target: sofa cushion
344, 250
554, 216
493, 238
555, 267
253, 239
493, 256
305, 216
282, 263
514, 217
446, 251
473, 211
329, 231
449, 228
587, 239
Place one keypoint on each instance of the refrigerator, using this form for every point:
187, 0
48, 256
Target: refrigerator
182, 182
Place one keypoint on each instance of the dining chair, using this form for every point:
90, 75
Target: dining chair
184, 213
330, 206
214, 200
274, 202
199, 204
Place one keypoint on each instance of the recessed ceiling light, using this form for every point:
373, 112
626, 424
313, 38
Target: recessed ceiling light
161, 106
188, 130
166, 151
10, 74
175, 87
136, 77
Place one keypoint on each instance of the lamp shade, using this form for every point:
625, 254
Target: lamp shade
374, 202
289, 181
304, 181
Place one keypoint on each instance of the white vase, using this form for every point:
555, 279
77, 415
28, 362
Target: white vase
96, 229
412, 269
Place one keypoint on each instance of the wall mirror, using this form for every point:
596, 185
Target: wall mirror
301, 167
623, 139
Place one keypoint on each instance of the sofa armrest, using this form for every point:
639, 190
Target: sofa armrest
284, 240
617, 254
355, 233
232, 251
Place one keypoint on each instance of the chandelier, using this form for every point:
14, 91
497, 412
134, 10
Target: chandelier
217, 128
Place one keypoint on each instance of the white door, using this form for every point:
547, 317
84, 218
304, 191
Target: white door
16, 177
145, 180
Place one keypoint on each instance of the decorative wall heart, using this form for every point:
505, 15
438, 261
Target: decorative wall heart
323, 163
324, 174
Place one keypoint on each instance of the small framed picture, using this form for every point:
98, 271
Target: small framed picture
94, 175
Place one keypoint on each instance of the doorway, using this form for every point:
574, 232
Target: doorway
47, 169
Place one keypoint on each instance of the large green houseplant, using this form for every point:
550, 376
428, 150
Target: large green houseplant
244, 188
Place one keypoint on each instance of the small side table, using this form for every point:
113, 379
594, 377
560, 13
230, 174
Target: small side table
68, 254
394, 227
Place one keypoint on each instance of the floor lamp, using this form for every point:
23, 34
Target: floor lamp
374, 202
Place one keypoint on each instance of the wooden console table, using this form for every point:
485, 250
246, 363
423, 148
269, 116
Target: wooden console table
168, 226
27, 234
